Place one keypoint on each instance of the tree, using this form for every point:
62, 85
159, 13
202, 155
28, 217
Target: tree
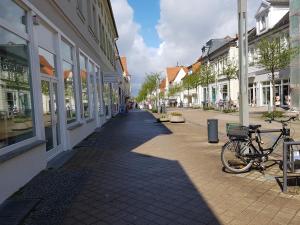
174, 89
230, 72
148, 87
207, 76
274, 55
191, 81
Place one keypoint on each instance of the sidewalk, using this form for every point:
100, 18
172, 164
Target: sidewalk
135, 171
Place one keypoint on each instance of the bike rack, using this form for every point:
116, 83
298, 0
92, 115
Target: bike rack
286, 148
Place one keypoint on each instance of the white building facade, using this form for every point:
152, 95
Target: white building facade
57, 77
272, 21
218, 53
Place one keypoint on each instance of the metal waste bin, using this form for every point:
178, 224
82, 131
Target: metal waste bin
212, 130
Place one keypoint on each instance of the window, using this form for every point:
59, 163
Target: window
102, 37
94, 18
225, 92
47, 62
13, 14
80, 9
106, 95
92, 88
69, 82
263, 23
99, 89
16, 104
85, 111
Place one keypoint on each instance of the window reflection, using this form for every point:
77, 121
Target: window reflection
84, 87
69, 92
13, 14
16, 113
47, 62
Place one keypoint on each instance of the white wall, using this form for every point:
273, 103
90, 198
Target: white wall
19, 170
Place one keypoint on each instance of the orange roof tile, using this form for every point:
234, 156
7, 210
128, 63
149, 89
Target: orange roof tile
124, 64
173, 71
196, 66
162, 85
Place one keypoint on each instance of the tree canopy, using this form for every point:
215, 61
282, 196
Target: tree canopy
148, 87
207, 75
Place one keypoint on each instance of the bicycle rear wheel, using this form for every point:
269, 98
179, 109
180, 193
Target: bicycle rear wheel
235, 156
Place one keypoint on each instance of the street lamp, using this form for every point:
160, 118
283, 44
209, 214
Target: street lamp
243, 62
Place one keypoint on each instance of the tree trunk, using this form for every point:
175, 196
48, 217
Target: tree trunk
273, 91
229, 94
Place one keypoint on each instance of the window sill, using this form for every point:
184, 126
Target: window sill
74, 125
21, 150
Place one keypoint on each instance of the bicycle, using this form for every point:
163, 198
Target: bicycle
239, 154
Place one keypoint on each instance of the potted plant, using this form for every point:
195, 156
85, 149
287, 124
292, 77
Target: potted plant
164, 118
176, 117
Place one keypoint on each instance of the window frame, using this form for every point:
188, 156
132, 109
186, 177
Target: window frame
73, 62
33, 66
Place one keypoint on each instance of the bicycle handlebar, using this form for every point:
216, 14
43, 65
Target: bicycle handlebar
281, 121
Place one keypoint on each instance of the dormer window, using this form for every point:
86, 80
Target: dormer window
263, 24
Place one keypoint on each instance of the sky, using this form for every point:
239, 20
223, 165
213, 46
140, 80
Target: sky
155, 34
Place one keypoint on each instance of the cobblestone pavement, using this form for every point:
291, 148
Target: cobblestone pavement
144, 173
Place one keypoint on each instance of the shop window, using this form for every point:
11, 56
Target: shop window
13, 14
16, 104
69, 82
106, 95
92, 88
84, 87
99, 89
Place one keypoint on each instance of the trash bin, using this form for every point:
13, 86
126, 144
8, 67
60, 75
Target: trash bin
212, 130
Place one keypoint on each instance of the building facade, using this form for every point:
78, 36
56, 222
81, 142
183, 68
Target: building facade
59, 81
295, 42
272, 21
219, 53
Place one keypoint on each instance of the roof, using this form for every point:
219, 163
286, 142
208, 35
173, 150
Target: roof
252, 34
214, 44
124, 65
173, 71
162, 84
113, 18
196, 66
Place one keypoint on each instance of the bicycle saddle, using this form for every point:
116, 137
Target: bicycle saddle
254, 127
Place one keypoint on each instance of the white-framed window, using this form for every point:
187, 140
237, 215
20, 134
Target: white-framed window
17, 121
67, 56
99, 83
84, 86
92, 88
263, 23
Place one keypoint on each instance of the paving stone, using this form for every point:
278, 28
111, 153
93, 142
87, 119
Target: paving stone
136, 171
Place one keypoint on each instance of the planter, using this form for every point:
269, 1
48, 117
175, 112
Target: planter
164, 119
177, 119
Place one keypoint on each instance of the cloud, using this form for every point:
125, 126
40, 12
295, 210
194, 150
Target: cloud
184, 27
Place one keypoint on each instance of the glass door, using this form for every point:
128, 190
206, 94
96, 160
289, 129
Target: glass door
50, 116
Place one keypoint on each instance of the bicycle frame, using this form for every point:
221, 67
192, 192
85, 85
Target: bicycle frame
259, 152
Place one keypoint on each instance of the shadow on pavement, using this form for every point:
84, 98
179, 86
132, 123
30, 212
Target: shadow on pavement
110, 184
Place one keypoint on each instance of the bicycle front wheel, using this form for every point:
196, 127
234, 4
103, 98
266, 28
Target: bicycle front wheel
235, 156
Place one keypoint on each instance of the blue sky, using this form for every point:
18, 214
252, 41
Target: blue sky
155, 34
146, 13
